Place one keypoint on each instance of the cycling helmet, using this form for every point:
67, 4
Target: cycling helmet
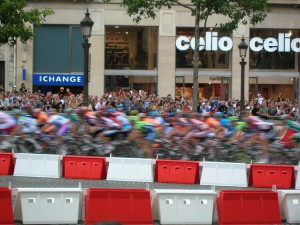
74, 117
17, 111
68, 110
133, 112
152, 113
142, 115
206, 114
51, 111
218, 114
283, 117
92, 121
211, 135
233, 118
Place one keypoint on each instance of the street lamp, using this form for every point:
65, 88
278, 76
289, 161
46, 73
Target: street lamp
86, 29
243, 47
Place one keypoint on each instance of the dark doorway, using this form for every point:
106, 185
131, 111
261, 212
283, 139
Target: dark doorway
2, 73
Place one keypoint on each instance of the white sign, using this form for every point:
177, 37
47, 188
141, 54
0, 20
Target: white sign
212, 42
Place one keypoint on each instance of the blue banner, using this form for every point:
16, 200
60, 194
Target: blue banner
23, 74
43, 79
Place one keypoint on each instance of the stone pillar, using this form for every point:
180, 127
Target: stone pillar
97, 51
237, 35
166, 53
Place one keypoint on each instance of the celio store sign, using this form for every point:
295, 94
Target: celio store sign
212, 42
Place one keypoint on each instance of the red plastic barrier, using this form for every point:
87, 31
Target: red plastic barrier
248, 207
175, 171
6, 212
84, 167
127, 206
265, 176
7, 163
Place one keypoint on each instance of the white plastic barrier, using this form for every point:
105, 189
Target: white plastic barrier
297, 186
48, 205
37, 165
183, 206
224, 174
289, 202
130, 169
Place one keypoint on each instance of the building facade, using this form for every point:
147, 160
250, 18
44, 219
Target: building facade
156, 55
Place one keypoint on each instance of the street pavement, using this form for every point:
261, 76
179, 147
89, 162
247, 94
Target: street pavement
26, 182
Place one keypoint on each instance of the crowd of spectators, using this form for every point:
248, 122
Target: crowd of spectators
141, 101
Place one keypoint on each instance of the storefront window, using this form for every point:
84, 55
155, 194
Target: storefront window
130, 47
207, 59
129, 83
57, 49
272, 60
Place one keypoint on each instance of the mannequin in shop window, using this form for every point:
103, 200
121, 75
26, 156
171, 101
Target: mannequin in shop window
141, 56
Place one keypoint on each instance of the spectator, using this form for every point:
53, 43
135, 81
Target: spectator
23, 89
119, 105
260, 99
186, 107
263, 110
61, 92
15, 104
230, 110
68, 92
126, 104
57, 105
47, 105
215, 103
100, 104
222, 108
110, 103
255, 110
4, 103
272, 110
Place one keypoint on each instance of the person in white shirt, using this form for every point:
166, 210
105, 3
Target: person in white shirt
100, 104
4, 102
260, 99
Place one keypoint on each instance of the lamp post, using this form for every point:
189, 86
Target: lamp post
243, 52
86, 30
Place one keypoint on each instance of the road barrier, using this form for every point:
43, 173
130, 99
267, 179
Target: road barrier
130, 169
128, 206
183, 206
37, 165
289, 201
266, 175
6, 212
177, 171
84, 167
297, 185
48, 205
248, 207
7, 163
224, 174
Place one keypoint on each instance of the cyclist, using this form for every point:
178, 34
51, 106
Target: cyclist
8, 125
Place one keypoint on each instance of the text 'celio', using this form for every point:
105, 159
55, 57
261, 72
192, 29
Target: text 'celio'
212, 42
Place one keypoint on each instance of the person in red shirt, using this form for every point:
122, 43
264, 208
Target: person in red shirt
186, 107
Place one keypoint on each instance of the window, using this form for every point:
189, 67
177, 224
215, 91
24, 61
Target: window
130, 47
207, 59
272, 60
58, 49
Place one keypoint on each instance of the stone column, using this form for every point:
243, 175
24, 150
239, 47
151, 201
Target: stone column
97, 51
166, 53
